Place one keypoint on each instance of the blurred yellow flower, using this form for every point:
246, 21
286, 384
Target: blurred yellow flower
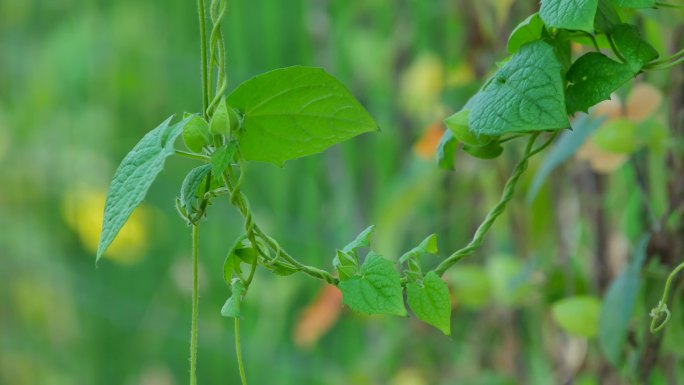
82, 210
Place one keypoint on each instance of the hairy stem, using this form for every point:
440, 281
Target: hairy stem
495, 212
195, 305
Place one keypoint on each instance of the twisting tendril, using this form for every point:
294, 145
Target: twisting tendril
660, 315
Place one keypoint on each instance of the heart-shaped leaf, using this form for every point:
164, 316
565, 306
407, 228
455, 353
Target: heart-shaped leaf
376, 289
430, 301
295, 112
525, 95
592, 78
565, 14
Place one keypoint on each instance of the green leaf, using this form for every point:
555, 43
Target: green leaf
636, 52
134, 176
592, 78
458, 125
221, 158
430, 301
564, 14
566, 146
618, 305
578, 316
527, 31
376, 290
426, 246
635, 3
231, 264
232, 307
618, 135
196, 134
362, 240
607, 17
295, 112
446, 151
525, 95
189, 193
490, 151
345, 264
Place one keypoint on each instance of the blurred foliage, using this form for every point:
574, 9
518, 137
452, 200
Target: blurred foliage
82, 81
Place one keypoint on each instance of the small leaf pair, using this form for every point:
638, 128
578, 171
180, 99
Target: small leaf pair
427, 296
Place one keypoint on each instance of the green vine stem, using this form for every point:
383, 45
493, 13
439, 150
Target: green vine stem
217, 11
238, 352
190, 155
661, 312
500, 207
203, 54
240, 201
195, 305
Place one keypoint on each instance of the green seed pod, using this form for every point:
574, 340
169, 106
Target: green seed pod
196, 134
219, 124
225, 120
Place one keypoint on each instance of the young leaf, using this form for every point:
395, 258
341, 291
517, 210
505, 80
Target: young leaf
446, 150
295, 112
196, 134
345, 264
525, 95
362, 240
635, 3
221, 158
618, 304
592, 78
426, 246
430, 301
232, 262
527, 31
636, 52
458, 125
231, 308
578, 315
564, 14
134, 176
191, 185
376, 290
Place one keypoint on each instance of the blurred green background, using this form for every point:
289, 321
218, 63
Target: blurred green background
82, 81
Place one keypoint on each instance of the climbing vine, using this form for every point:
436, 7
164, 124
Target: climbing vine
298, 111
